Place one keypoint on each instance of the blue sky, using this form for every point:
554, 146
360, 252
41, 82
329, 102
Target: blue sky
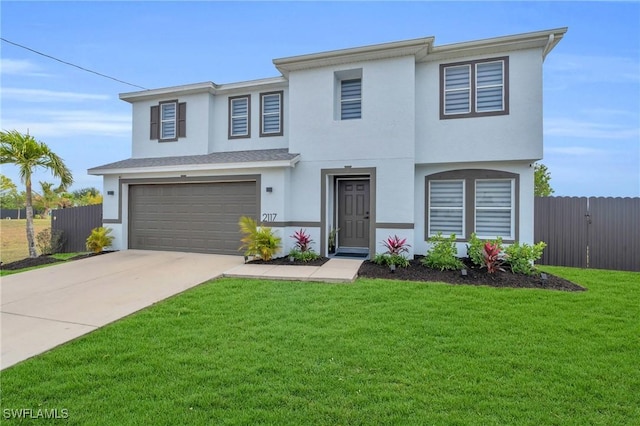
591, 79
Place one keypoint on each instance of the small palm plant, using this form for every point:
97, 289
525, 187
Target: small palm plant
99, 239
258, 241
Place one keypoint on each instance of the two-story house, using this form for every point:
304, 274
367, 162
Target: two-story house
405, 138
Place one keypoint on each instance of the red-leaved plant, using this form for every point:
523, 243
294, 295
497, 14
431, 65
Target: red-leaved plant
303, 240
492, 259
395, 245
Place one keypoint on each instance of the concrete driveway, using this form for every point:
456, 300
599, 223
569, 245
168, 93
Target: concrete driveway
44, 308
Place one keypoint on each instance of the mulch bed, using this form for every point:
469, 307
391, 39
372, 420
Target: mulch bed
475, 276
30, 262
285, 261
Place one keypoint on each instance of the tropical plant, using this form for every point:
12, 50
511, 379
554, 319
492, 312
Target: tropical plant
333, 232
521, 257
10, 198
396, 247
302, 250
443, 253
258, 241
99, 239
49, 241
492, 257
86, 196
28, 154
476, 250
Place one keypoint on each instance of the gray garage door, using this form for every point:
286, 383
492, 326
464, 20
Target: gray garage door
193, 217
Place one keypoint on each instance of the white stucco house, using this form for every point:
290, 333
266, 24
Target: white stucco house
406, 138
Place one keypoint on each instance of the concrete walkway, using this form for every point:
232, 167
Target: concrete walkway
334, 271
43, 308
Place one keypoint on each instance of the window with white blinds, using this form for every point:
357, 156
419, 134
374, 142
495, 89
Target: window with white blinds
446, 207
168, 116
457, 89
351, 99
239, 116
489, 86
494, 208
271, 114
474, 88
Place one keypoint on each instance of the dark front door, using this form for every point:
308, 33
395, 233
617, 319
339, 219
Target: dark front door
353, 213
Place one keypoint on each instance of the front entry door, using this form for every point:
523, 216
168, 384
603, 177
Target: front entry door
353, 213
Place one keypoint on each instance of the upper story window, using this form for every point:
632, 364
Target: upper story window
475, 88
239, 117
271, 114
168, 121
351, 99
347, 94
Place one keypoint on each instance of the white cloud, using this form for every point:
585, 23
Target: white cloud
70, 123
43, 95
568, 127
20, 67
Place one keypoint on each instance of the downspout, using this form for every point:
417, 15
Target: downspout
548, 47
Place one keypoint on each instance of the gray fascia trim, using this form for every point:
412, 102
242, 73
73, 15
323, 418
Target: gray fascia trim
391, 225
537, 39
187, 89
293, 223
417, 47
196, 167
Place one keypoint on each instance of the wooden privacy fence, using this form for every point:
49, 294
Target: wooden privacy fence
594, 232
76, 224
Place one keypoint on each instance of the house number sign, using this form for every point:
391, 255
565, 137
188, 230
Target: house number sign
269, 217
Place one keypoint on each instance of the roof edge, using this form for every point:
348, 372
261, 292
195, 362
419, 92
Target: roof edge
417, 47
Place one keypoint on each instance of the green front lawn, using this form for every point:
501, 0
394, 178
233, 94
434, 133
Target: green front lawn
237, 351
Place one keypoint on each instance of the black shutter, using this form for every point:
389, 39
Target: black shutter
182, 120
155, 118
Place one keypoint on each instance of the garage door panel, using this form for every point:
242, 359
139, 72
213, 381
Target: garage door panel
200, 217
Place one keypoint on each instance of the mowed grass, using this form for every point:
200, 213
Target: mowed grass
13, 237
236, 351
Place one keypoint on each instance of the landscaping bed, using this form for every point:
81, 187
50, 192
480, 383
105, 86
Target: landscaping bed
31, 262
475, 276
285, 261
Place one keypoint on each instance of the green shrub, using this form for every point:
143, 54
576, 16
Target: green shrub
99, 239
49, 241
391, 259
303, 256
521, 257
258, 241
475, 249
442, 254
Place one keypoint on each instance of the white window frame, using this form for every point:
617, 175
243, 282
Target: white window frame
263, 120
350, 100
511, 209
478, 87
461, 208
162, 134
233, 117
466, 89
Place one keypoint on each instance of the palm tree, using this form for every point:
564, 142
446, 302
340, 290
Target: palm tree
27, 154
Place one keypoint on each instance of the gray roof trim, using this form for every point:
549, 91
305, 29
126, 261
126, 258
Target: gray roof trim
263, 157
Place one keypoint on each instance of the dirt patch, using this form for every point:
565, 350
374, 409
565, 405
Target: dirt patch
285, 261
475, 276
31, 262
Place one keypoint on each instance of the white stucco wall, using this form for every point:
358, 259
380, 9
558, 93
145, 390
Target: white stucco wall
516, 136
219, 130
196, 141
